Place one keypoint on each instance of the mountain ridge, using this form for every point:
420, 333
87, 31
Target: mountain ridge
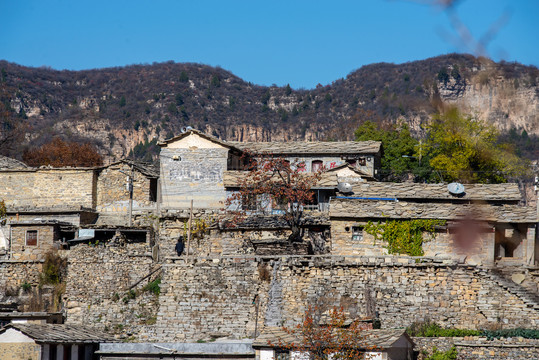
119, 108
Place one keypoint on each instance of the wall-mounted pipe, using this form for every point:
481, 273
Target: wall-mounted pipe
366, 198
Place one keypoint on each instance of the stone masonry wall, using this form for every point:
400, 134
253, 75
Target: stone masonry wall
113, 194
48, 187
478, 348
439, 245
46, 235
218, 297
14, 273
97, 289
198, 175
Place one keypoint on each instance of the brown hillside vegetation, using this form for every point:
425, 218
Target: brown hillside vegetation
119, 108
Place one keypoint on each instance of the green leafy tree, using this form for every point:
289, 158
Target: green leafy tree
399, 150
288, 89
184, 77
122, 101
462, 148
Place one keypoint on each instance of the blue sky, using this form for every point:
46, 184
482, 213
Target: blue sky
301, 42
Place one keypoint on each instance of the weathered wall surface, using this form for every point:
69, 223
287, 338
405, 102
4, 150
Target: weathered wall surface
14, 273
46, 235
48, 187
113, 193
97, 289
218, 297
331, 162
477, 348
198, 173
439, 245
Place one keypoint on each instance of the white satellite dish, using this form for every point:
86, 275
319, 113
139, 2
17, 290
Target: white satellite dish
344, 187
455, 188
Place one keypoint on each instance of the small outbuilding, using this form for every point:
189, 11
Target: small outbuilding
378, 344
50, 342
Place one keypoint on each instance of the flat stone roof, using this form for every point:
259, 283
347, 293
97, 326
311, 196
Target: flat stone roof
310, 147
351, 208
228, 347
486, 192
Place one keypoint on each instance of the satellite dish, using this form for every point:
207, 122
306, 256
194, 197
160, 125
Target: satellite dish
455, 188
183, 129
188, 128
344, 187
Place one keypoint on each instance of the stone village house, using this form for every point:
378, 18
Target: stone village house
47, 206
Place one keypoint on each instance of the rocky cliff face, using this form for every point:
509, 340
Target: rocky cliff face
119, 108
507, 102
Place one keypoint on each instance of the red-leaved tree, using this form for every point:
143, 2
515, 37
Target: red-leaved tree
335, 336
58, 153
271, 183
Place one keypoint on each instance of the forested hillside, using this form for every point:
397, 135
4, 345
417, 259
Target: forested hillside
126, 109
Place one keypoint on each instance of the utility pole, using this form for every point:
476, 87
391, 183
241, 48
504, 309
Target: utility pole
130, 210
189, 226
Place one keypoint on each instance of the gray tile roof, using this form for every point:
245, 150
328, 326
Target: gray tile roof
486, 192
10, 163
60, 333
238, 348
147, 169
373, 209
311, 147
290, 147
200, 133
379, 338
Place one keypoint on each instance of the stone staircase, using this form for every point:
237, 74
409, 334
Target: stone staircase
530, 298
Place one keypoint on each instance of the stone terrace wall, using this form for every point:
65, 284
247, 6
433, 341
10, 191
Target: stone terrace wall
14, 273
215, 297
48, 187
97, 287
477, 348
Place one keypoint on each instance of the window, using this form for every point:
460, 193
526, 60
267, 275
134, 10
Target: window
248, 202
316, 165
31, 237
153, 190
357, 233
362, 161
282, 355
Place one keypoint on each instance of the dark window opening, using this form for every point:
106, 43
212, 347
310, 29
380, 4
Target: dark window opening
31, 237
248, 203
153, 190
282, 355
316, 165
351, 162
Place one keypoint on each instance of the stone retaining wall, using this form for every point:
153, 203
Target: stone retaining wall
478, 348
97, 290
219, 297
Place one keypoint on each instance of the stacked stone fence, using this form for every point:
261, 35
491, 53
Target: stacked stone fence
13, 273
479, 348
211, 297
